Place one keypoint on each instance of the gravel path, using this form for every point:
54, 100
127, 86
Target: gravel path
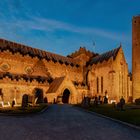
64, 122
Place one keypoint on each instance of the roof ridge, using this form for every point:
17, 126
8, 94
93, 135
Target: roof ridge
105, 56
55, 84
25, 49
109, 51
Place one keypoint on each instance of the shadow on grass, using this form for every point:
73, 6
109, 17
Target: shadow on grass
130, 114
23, 111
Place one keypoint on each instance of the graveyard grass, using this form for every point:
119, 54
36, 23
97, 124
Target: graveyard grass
23, 111
130, 114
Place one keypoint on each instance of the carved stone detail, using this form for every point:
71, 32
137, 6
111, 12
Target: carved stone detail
5, 66
29, 70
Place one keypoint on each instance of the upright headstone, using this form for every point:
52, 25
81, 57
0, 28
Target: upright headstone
45, 100
24, 100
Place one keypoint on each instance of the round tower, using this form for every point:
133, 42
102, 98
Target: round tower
136, 57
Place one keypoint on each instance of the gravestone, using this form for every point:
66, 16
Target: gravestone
45, 100
86, 102
105, 100
24, 100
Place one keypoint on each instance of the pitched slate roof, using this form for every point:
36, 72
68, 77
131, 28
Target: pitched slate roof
104, 57
55, 84
33, 52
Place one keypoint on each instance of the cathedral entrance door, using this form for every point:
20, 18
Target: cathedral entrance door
38, 93
65, 97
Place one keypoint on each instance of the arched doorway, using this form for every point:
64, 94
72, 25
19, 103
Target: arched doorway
38, 93
65, 97
1, 95
25, 99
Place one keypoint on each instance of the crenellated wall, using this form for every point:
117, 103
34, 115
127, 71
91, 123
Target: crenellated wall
16, 62
13, 89
33, 66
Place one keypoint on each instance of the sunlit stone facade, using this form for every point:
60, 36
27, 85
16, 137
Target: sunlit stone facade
108, 75
82, 73
136, 57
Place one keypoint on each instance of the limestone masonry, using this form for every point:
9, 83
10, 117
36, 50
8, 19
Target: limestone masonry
136, 57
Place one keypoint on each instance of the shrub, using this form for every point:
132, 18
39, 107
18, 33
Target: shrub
25, 110
137, 101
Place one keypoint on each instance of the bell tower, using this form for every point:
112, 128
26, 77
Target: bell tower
136, 57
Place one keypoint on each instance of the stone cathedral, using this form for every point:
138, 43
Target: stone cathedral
68, 79
25, 70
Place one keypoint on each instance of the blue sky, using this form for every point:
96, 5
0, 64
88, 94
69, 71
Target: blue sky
62, 26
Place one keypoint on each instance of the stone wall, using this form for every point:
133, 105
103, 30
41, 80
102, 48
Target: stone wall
112, 78
136, 57
19, 64
59, 70
33, 66
13, 89
102, 82
121, 82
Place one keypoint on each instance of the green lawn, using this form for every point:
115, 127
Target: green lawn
23, 111
128, 115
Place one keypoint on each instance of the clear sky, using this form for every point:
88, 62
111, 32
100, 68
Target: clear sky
62, 26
